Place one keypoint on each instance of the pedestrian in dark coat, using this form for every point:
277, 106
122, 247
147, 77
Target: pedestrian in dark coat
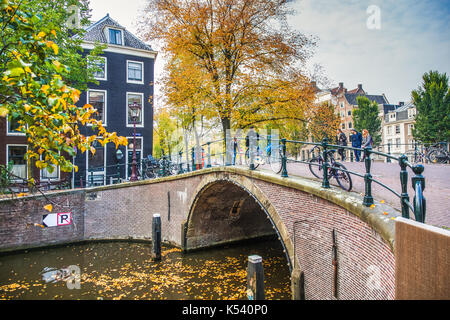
356, 139
341, 139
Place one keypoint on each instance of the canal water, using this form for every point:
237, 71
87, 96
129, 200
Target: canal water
125, 270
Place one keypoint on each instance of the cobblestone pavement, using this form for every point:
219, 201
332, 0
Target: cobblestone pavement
437, 186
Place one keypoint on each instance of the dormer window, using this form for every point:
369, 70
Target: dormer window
115, 36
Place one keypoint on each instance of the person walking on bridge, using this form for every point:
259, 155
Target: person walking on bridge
341, 140
367, 141
356, 139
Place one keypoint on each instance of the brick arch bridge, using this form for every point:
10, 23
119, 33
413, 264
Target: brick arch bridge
225, 204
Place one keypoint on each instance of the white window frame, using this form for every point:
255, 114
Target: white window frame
106, 69
130, 139
105, 111
16, 134
122, 34
97, 172
130, 125
7, 158
134, 81
51, 179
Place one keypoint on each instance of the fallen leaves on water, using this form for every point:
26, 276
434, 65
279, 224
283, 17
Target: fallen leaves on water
176, 277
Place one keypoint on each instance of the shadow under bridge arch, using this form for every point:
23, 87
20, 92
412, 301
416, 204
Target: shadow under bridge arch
225, 210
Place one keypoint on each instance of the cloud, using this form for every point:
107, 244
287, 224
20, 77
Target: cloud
412, 40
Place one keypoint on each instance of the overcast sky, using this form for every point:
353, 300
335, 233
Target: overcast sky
387, 56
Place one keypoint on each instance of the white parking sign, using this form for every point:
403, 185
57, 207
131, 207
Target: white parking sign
57, 219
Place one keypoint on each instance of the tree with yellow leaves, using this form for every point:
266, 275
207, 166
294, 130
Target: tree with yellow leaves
37, 85
323, 122
235, 61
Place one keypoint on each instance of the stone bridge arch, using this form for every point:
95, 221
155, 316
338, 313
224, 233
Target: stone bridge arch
227, 207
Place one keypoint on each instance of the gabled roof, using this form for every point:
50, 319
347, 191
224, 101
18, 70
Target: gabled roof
94, 33
351, 98
389, 107
335, 91
405, 107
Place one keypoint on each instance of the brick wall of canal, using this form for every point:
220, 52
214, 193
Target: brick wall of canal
365, 259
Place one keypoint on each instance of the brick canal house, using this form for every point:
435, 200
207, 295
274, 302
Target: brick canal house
344, 102
125, 79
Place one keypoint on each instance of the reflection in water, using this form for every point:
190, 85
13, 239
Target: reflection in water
123, 270
55, 275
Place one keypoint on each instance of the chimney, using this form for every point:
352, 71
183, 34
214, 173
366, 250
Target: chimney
401, 103
360, 87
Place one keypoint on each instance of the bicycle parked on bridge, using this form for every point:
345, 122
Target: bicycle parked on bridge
342, 177
437, 153
263, 157
155, 168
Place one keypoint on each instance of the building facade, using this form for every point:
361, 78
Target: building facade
344, 102
125, 79
397, 127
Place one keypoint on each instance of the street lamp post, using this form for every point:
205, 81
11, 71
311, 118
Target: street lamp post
135, 112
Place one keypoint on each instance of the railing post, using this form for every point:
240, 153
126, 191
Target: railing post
251, 152
284, 173
156, 237
368, 199
389, 153
325, 164
418, 182
164, 166
209, 155
180, 165
193, 157
255, 278
415, 151
404, 185
92, 178
351, 155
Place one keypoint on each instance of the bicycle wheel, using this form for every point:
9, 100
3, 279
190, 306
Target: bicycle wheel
275, 163
173, 169
343, 178
437, 156
315, 166
247, 159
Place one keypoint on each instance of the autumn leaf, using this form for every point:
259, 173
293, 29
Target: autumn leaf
48, 207
3, 112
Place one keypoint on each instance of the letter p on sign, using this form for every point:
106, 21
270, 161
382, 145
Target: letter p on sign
64, 218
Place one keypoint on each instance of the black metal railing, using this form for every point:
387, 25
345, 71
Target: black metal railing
418, 207
216, 153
